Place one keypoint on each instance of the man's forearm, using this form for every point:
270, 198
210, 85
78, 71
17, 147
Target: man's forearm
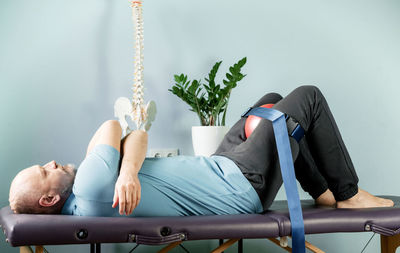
134, 148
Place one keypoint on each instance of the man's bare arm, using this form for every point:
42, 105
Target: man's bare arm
127, 188
133, 151
108, 133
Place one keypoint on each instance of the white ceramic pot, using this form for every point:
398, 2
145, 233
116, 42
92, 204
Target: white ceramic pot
206, 139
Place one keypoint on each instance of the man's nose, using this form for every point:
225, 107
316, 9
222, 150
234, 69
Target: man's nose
51, 165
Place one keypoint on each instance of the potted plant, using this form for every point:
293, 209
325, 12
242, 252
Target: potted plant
208, 100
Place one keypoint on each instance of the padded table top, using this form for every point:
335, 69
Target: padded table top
31, 229
331, 220
34, 229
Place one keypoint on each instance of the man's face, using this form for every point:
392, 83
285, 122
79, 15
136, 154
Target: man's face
53, 175
49, 178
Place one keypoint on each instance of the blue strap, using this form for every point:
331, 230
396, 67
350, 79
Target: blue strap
287, 170
297, 133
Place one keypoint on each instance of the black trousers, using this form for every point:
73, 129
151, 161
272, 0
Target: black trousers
321, 158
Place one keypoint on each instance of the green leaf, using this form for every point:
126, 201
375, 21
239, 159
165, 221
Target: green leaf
213, 73
209, 103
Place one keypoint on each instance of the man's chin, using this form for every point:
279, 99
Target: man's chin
69, 168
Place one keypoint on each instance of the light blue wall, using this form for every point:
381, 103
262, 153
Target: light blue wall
63, 64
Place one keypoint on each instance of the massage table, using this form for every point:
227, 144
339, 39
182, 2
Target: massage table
35, 229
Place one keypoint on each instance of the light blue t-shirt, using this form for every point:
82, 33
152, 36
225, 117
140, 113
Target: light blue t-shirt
173, 186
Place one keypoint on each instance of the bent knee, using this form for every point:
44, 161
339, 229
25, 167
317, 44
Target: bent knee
309, 90
275, 96
269, 98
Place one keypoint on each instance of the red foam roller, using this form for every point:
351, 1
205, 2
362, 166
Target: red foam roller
252, 121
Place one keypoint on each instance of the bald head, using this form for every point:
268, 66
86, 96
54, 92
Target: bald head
23, 193
41, 189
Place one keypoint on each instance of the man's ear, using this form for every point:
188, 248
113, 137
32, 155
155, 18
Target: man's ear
47, 200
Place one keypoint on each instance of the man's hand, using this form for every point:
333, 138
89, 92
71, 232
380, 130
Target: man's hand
127, 187
127, 193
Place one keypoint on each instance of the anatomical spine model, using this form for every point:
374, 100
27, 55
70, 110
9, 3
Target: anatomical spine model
139, 113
